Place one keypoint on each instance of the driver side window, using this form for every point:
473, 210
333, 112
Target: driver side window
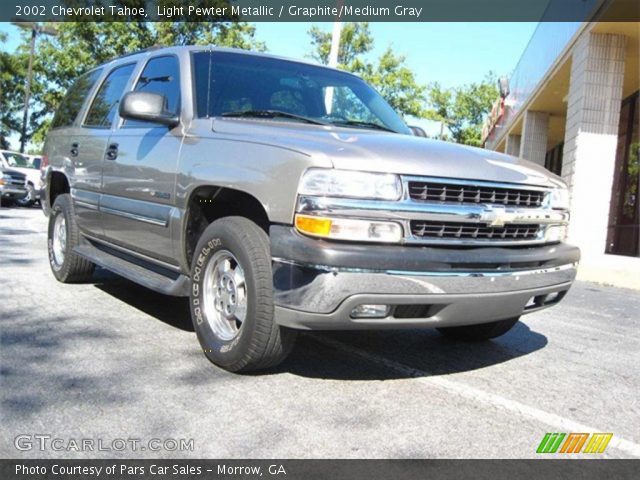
160, 75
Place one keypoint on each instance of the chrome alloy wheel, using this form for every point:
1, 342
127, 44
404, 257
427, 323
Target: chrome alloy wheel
59, 239
224, 295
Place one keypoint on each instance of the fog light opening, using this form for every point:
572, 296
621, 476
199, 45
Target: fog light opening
370, 311
544, 300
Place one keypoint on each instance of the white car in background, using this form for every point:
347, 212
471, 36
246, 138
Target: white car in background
30, 166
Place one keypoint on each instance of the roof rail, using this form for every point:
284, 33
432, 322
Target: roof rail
149, 49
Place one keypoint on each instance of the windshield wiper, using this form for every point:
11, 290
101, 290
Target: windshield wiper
272, 114
358, 123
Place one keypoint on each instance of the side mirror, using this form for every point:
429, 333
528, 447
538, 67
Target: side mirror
503, 86
148, 107
418, 131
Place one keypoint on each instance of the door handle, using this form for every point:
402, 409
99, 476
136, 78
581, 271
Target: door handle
74, 149
112, 152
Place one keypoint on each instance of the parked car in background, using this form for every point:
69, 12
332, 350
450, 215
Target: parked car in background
36, 161
29, 165
12, 186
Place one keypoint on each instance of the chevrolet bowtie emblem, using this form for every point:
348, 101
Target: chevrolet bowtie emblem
496, 216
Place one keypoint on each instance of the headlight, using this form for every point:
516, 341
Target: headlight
560, 198
346, 183
349, 229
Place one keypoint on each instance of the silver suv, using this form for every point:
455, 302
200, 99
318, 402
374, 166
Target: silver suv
280, 195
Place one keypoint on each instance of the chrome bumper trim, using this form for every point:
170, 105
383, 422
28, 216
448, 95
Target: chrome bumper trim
488, 274
321, 289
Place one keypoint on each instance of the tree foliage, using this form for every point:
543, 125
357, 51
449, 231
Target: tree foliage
12, 70
389, 74
462, 109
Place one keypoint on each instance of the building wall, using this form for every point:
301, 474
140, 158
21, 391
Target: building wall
591, 136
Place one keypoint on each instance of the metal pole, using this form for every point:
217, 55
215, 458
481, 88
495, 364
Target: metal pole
333, 62
27, 92
335, 44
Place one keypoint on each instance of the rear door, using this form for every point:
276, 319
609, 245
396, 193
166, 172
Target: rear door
139, 174
88, 145
63, 151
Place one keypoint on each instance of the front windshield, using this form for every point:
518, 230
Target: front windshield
232, 83
17, 160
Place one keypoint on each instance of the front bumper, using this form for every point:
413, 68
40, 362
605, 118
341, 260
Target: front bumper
318, 283
12, 192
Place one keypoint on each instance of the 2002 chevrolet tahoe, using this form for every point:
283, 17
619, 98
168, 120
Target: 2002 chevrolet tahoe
280, 195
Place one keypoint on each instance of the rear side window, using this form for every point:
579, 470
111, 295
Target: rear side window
160, 75
74, 99
105, 104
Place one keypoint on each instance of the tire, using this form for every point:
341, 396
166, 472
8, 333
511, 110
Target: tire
63, 235
483, 331
232, 298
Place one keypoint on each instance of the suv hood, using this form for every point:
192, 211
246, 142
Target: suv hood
13, 172
376, 151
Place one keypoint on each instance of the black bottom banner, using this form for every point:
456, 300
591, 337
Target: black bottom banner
317, 469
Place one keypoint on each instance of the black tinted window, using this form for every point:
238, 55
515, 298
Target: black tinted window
105, 104
74, 99
160, 75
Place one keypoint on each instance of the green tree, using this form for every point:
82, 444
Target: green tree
11, 93
462, 110
389, 74
80, 46
355, 40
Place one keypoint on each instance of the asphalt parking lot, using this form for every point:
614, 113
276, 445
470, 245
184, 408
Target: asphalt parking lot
112, 360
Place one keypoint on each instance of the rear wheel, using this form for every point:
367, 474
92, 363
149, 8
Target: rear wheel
63, 236
232, 298
483, 331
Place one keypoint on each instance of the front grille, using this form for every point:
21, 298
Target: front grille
451, 193
473, 231
16, 180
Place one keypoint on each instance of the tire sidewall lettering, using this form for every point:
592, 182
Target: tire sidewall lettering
204, 254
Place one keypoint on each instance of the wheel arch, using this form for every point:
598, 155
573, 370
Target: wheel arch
57, 184
208, 203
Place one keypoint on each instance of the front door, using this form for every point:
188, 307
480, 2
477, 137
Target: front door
139, 174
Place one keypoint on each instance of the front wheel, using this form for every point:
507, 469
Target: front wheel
232, 298
483, 331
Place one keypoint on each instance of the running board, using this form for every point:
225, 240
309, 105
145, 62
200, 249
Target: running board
177, 287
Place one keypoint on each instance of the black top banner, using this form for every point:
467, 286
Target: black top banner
320, 10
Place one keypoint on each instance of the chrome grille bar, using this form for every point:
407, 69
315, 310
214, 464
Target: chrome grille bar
470, 194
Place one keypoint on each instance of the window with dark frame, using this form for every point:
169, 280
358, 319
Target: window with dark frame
74, 99
104, 106
624, 218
